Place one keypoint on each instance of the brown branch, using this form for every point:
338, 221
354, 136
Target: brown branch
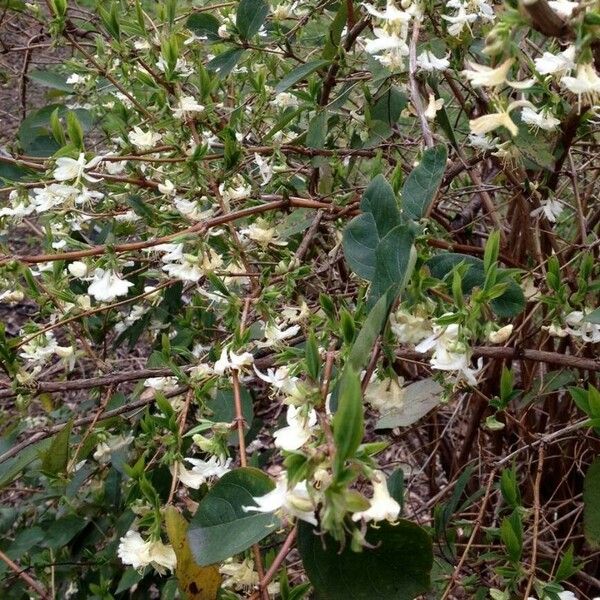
30, 581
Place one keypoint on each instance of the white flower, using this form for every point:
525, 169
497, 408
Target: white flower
428, 61
541, 120
481, 142
261, 233
11, 296
383, 506
108, 285
432, 107
484, 76
237, 189
500, 336
551, 64
181, 66
563, 8
391, 14
201, 471
449, 353
56, 194
285, 100
143, 140
275, 334
78, 269
75, 79
229, 360
187, 107
68, 168
409, 328
167, 188
551, 208
279, 378
112, 444
239, 575
487, 123
192, 210
298, 430
295, 502
134, 551
585, 84
264, 168
161, 384
460, 20
576, 326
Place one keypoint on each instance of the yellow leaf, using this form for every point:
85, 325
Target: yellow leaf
195, 582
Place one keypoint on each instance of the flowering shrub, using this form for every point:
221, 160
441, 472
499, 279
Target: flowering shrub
300, 300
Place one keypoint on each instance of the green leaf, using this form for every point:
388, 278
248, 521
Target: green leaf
250, 16
395, 485
360, 242
50, 79
224, 63
299, 73
422, 184
221, 528
204, 25
11, 468
379, 200
335, 31
56, 457
591, 504
593, 317
389, 106
394, 262
317, 131
396, 566
222, 408
348, 421
508, 304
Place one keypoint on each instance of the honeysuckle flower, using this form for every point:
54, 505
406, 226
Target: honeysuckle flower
481, 142
182, 67
484, 76
556, 64
576, 326
108, 285
275, 334
68, 169
385, 395
265, 169
78, 269
143, 140
409, 328
563, 8
261, 232
229, 360
585, 84
239, 576
161, 384
187, 107
235, 189
432, 107
461, 20
393, 15
192, 210
285, 100
298, 430
112, 444
55, 194
501, 335
201, 471
75, 79
11, 296
294, 503
428, 61
383, 507
449, 353
492, 121
167, 188
551, 208
540, 120
42, 347
135, 551
279, 378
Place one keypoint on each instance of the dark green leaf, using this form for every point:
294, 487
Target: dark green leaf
360, 241
299, 73
593, 317
395, 484
397, 566
250, 16
224, 63
394, 262
204, 25
348, 421
50, 79
221, 528
422, 184
591, 504
509, 304
335, 31
379, 200
388, 106
317, 131
222, 408
11, 468
57, 456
